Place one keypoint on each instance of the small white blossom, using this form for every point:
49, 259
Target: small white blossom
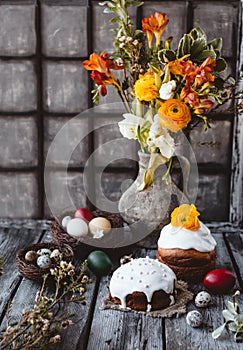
135, 42
129, 39
119, 61
159, 137
128, 127
167, 90
121, 45
122, 38
98, 234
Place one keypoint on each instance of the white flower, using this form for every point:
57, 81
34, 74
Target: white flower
128, 126
135, 42
160, 138
167, 90
98, 234
122, 38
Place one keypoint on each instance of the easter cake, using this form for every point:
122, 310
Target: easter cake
143, 284
186, 244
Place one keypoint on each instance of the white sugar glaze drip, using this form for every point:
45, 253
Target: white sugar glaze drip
141, 275
178, 237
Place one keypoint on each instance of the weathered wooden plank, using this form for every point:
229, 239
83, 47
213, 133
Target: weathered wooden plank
187, 338
11, 240
25, 299
236, 246
123, 330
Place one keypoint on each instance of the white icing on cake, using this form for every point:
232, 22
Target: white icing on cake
179, 237
142, 275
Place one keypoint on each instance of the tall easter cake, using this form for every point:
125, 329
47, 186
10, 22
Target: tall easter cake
143, 284
186, 244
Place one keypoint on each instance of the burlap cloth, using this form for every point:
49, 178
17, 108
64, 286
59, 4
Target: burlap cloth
182, 298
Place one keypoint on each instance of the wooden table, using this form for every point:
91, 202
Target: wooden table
96, 329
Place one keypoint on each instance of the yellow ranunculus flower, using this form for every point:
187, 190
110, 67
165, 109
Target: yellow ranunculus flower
186, 216
145, 88
174, 115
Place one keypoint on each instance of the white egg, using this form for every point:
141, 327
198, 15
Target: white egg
43, 261
202, 299
44, 251
194, 318
77, 228
65, 221
99, 224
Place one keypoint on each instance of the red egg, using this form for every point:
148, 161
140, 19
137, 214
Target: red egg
219, 281
83, 213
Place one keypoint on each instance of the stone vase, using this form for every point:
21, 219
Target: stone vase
149, 210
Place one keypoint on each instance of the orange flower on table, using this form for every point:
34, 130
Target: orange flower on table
186, 216
145, 88
101, 70
174, 115
155, 25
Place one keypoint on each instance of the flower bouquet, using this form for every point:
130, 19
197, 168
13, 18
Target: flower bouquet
164, 91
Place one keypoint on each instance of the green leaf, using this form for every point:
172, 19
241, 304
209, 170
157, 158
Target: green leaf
239, 319
221, 65
205, 54
197, 33
107, 10
166, 55
228, 316
184, 46
198, 46
216, 44
218, 331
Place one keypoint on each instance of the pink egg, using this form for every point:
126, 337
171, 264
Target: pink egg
219, 281
83, 213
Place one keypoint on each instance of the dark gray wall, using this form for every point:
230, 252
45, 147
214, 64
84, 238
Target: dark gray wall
43, 85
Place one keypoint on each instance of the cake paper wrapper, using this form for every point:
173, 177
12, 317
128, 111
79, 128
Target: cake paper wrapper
179, 308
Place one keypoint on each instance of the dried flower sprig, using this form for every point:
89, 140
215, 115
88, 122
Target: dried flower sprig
39, 327
232, 315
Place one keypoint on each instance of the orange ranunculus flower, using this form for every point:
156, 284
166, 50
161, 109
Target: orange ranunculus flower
155, 24
186, 216
101, 70
145, 88
174, 115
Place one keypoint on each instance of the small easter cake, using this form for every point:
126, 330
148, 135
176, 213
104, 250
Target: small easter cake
143, 284
186, 244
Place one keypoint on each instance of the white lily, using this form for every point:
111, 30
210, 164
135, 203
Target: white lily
129, 126
160, 138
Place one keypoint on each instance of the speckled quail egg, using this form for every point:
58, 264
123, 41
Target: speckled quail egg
44, 251
194, 318
55, 254
43, 261
31, 255
65, 221
202, 299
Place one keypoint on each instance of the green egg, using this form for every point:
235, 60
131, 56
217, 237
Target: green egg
99, 263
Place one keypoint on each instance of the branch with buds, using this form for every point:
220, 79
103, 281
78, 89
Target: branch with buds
39, 327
